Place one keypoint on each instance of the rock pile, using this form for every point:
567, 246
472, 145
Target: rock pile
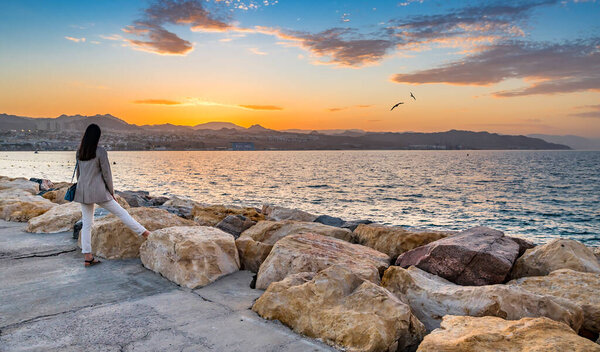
354, 285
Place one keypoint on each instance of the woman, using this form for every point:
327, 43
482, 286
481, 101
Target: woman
95, 186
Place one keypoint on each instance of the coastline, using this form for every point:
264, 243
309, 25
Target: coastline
200, 258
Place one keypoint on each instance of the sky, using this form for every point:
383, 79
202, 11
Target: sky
512, 67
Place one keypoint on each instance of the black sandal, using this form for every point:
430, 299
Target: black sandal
91, 262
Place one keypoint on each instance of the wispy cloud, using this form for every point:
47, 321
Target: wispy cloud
336, 109
157, 102
76, 40
190, 101
261, 107
116, 37
552, 68
593, 113
257, 51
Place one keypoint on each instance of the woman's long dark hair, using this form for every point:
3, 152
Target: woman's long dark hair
89, 143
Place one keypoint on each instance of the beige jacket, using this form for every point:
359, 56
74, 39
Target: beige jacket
94, 179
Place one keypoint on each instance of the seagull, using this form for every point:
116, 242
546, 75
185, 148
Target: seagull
412, 96
396, 105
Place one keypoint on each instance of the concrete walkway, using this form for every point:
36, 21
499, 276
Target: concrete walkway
50, 302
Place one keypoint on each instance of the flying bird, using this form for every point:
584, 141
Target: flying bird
412, 96
396, 105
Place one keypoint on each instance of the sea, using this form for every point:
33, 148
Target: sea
538, 195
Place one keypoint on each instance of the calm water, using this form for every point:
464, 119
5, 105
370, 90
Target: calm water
535, 194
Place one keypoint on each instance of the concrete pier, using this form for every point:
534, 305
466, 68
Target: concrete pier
50, 302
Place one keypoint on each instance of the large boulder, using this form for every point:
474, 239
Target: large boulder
235, 224
492, 334
18, 204
191, 256
341, 308
58, 219
19, 183
478, 256
176, 201
394, 241
308, 252
277, 213
431, 297
256, 243
582, 289
213, 214
111, 239
596, 251
557, 254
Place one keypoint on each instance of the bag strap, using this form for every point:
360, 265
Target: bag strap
74, 170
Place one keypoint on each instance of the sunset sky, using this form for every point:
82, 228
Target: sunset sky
513, 67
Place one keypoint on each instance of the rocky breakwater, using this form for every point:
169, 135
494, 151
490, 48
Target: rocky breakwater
255, 244
343, 309
111, 239
478, 256
308, 252
191, 256
492, 334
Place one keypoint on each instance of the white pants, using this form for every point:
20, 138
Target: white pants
87, 219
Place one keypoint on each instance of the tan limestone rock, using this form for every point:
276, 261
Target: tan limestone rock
277, 213
191, 256
19, 205
394, 241
492, 334
20, 183
557, 254
344, 310
432, 297
582, 289
255, 244
111, 239
213, 214
58, 219
308, 252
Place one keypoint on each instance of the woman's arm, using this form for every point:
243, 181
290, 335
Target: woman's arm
106, 173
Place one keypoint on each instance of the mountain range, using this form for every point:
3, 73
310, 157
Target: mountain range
220, 134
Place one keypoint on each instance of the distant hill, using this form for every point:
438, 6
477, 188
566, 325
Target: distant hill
574, 142
64, 122
220, 135
332, 132
217, 126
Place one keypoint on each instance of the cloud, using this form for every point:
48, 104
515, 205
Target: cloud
76, 40
115, 37
348, 107
552, 68
595, 113
154, 38
157, 102
261, 107
256, 51
190, 101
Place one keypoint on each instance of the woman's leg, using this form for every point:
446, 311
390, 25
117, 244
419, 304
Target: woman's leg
87, 219
122, 214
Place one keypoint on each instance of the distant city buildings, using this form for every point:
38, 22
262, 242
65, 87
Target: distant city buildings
242, 146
